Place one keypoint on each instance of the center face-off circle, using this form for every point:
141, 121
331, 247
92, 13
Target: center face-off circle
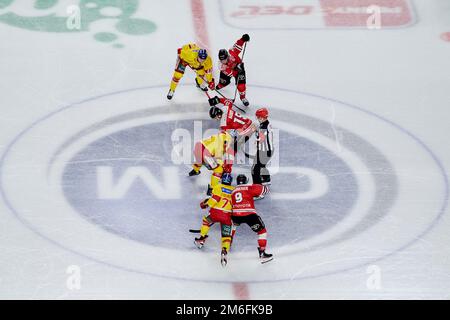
373, 216
142, 215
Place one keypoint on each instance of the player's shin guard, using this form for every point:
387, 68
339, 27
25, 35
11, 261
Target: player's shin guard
262, 242
206, 224
199, 150
262, 239
175, 79
241, 88
226, 231
233, 232
226, 241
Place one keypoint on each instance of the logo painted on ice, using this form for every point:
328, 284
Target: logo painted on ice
135, 168
110, 187
322, 14
63, 16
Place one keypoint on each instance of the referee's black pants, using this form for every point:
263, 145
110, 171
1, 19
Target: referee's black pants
260, 174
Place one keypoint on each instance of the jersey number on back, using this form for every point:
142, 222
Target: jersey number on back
225, 202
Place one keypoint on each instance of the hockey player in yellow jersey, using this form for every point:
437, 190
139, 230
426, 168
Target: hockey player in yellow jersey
220, 208
216, 153
196, 58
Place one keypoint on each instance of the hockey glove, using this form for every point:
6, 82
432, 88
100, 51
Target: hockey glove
213, 101
211, 84
204, 204
245, 38
227, 168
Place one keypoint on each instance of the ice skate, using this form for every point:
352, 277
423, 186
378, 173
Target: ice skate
245, 102
170, 94
194, 173
264, 257
223, 257
200, 242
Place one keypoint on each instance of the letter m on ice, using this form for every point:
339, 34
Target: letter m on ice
165, 188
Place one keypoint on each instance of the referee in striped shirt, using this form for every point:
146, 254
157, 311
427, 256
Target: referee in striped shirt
264, 148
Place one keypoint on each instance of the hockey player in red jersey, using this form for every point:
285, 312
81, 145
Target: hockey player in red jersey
231, 65
230, 119
244, 212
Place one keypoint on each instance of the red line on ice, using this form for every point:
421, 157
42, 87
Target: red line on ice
199, 19
240, 290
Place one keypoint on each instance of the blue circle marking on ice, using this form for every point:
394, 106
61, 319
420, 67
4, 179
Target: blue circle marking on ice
140, 215
426, 228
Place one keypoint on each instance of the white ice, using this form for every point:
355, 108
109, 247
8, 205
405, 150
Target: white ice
388, 86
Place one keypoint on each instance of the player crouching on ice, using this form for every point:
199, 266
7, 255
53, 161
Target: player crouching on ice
230, 119
216, 153
243, 211
231, 65
197, 59
219, 211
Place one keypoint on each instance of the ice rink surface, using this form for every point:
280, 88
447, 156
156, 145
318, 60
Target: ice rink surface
95, 198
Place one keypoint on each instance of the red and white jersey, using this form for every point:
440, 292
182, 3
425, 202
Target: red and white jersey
242, 198
229, 67
232, 120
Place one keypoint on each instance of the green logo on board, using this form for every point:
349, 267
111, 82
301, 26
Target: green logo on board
76, 16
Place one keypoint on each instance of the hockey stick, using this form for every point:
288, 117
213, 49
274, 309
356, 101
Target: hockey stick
237, 82
206, 92
194, 230
234, 105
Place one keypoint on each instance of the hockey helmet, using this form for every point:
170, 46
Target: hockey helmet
262, 113
227, 178
223, 54
241, 179
214, 112
202, 54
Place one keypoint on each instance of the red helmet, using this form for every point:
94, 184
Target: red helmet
262, 113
